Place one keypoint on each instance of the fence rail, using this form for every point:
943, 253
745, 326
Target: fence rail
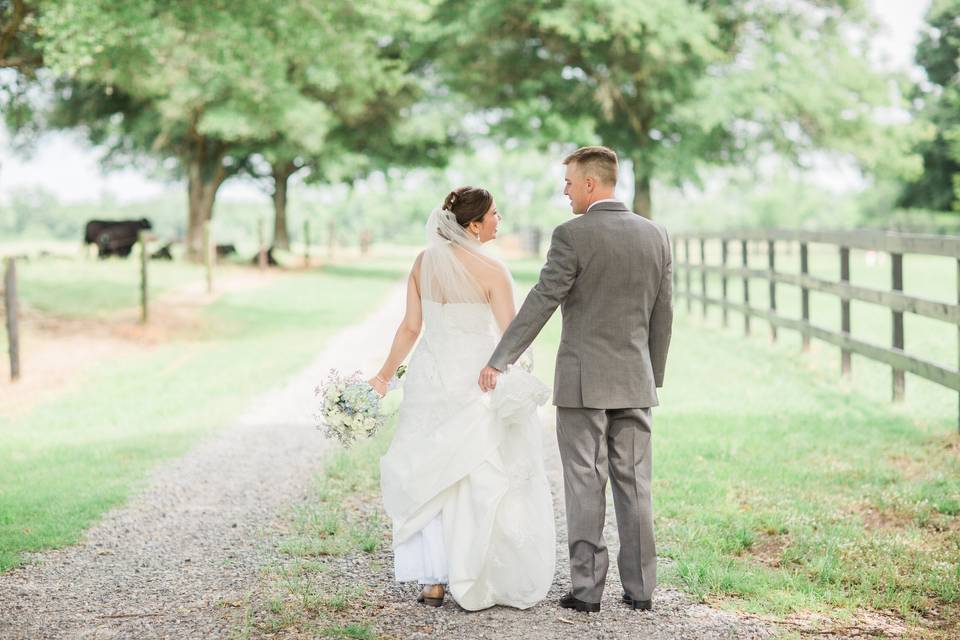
896, 244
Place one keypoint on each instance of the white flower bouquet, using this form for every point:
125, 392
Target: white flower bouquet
350, 407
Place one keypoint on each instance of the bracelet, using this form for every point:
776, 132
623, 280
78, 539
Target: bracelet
381, 379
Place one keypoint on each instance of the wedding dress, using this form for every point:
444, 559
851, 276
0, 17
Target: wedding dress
464, 479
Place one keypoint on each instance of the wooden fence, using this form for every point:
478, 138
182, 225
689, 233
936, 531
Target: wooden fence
896, 244
10, 307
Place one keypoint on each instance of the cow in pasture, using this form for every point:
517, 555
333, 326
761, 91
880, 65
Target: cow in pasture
163, 253
271, 261
224, 250
114, 237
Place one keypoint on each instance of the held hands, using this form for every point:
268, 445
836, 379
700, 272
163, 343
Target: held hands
488, 379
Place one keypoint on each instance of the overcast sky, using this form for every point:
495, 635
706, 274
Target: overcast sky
63, 164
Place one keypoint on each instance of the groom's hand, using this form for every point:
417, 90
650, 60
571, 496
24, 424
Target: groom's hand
488, 378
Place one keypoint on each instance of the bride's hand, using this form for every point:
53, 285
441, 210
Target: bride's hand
378, 385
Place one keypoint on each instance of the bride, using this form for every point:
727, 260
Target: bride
464, 480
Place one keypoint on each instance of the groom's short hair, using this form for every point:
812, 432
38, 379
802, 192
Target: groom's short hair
600, 162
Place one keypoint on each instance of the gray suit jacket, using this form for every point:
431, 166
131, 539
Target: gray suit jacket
610, 271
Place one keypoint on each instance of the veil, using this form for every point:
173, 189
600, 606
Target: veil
444, 275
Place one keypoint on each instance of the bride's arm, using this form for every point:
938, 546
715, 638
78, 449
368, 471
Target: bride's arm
502, 302
407, 332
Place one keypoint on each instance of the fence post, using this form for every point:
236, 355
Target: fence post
675, 260
306, 243
686, 258
208, 255
899, 384
10, 307
262, 256
746, 289
723, 277
845, 309
805, 294
144, 292
771, 261
703, 276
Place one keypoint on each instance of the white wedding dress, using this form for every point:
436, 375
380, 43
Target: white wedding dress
464, 479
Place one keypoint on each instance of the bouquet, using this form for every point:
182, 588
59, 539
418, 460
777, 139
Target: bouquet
349, 407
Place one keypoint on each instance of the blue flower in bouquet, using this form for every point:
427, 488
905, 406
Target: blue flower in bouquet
349, 408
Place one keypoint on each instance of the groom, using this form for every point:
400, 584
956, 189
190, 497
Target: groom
610, 272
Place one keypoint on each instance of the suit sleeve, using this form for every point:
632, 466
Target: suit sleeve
661, 319
556, 279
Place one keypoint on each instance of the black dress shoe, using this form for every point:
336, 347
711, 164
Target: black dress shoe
645, 605
569, 602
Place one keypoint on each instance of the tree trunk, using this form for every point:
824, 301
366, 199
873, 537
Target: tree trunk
205, 174
642, 203
281, 175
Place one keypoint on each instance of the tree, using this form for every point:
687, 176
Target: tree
187, 82
380, 114
191, 82
217, 91
21, 59
938, 99
365, 105
673, 85
18, 36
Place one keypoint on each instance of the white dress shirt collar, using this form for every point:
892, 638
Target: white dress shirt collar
593, 204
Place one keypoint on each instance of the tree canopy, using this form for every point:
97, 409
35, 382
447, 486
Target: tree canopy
675, 86
202, 89
339, 90
938, 99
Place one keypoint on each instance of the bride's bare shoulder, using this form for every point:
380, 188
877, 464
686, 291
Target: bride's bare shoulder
493, 273
415, 269
501, 276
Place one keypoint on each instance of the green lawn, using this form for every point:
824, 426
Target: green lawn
90, 287
780, 488
70, 459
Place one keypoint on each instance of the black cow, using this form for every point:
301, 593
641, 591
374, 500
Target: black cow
224, 250
163, 253
114, 237
271, 261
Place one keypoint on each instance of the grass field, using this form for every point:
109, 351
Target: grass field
780, 488
75, 288
69, 459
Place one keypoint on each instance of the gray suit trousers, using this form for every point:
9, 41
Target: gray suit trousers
593, 443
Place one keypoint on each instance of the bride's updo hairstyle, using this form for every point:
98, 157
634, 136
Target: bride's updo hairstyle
468, 204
